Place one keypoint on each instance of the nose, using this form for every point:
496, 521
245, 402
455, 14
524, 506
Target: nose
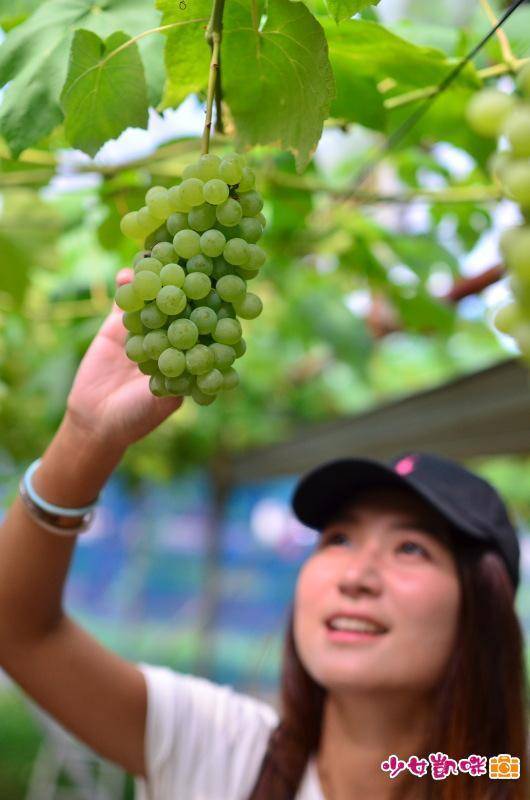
361, 572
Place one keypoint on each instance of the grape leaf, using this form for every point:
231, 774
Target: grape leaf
34, 58
344, 9
288, 82
365, 54
96, 85
187, 55
14, 12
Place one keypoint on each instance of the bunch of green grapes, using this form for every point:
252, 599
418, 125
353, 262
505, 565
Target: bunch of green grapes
183, 308
498, 115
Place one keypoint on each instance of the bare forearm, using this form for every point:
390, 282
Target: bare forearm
34, 563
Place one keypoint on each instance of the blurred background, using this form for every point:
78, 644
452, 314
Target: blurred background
376, 337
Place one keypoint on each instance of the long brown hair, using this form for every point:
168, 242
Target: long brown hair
482, 706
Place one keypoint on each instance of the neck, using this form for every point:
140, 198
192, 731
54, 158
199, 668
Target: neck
360, 732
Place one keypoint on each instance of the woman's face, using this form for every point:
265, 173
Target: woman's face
385, 557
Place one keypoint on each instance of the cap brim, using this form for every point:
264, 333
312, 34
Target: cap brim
322, 492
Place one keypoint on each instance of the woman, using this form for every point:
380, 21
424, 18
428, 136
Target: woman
422, 547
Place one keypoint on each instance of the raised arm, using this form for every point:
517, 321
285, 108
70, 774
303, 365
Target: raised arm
98, 696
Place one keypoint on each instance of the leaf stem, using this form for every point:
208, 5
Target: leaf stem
213, 37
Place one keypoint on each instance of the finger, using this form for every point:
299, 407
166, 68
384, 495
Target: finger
125, 275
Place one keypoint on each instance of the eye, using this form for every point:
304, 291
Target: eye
414, 544
333, 537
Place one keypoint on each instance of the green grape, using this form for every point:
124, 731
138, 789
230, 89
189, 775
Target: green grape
200, 398
516, 181
231, 233
152, 317
231, 288
240, 348
183, 333
229, 213
157, 201
155, 342
164, 252
498, 163
523, 80
172, 275
131, 320
507, 318
127, 299
246, 274
191, 171
215, 191
147, 221
180, 386
191, 191
197, 285
187, 243
515, 248
487, 111
202, 217
172, 363
208, 167
236, 252
134, 349
161, 234
184, 314
220, 268
230, 379
157, 385
517, 130
247, 181
251, 203
177, 202
177, 222
256, 257
237, 157
200, 263
212, 300
171, 299
230, 171
204, 318
227, 331
226, 311
149, 367
250, 229
130, 226
223, 354
211, 382
146, 284
199, 359
250, 307
150, 264
262, 218
212, 243
140, 255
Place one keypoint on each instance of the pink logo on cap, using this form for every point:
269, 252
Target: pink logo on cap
406, 465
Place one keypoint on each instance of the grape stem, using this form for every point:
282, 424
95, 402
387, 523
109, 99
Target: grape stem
213, 36
506, 50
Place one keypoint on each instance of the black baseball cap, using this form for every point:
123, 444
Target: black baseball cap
466, 501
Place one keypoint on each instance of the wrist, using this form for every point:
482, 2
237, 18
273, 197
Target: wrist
75, 466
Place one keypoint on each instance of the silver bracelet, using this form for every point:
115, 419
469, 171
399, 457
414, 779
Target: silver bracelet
62, 522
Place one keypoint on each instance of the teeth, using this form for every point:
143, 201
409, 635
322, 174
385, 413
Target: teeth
348, 624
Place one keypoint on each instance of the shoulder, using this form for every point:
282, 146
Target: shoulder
191, 721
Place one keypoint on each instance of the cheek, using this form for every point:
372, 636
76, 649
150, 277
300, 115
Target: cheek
315, 575
430, 608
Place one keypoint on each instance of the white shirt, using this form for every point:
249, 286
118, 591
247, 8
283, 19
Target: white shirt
204, 741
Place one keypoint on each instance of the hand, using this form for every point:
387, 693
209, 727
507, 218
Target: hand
110, 398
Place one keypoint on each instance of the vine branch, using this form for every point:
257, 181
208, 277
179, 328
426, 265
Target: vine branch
213, 37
